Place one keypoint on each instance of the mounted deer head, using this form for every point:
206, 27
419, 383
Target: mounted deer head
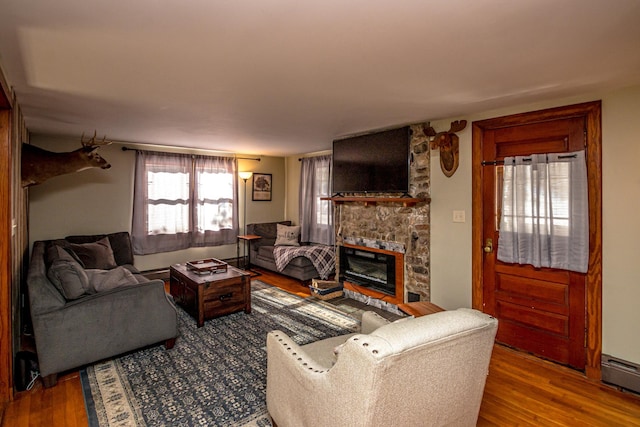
448, 144
39, 165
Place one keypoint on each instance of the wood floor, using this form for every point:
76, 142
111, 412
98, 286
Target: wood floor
521, 390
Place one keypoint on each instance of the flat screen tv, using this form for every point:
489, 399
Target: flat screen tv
372, 163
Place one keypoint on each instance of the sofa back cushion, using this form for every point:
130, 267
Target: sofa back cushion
97, 255
66, 274
120, 244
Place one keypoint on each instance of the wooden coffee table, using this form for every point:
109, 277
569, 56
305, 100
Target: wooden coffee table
205, 296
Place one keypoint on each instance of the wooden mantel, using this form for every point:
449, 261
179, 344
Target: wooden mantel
372, 201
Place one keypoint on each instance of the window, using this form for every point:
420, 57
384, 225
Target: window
544, 219
316, 215
183, 201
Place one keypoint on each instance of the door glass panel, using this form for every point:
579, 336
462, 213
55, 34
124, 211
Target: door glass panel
498, 195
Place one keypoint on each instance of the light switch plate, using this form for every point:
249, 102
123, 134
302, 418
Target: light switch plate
458, 216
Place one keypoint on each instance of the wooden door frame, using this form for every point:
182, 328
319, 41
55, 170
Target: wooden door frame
6, 341
592, 112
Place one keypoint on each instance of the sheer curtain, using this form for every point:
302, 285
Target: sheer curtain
545, 211
215, 205
316, 215
181, 201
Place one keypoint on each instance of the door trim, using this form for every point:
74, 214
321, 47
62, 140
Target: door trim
592, 112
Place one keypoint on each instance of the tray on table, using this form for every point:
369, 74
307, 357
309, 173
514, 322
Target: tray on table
207, 266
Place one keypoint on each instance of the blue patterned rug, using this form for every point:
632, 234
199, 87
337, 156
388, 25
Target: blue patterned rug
215, 375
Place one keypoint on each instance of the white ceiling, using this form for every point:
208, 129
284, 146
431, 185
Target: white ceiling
283, 77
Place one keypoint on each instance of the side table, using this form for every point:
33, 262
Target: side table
247, 239
420, 308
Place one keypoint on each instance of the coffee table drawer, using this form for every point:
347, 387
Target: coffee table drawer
221, 300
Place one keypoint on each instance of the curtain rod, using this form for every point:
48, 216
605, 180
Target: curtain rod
501, 162
257, 159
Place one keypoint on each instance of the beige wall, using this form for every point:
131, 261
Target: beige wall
292, 207
100, 201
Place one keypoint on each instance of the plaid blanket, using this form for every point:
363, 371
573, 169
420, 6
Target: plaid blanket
322, 257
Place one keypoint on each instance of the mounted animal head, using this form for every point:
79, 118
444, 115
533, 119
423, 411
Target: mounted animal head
448, 144
39, 165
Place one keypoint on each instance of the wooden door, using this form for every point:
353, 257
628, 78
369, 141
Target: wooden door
540, 310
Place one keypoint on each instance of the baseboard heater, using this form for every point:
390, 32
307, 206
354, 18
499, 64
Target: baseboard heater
621, 373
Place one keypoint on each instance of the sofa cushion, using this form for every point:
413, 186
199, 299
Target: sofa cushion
288, 235
97, 255
66, 274
120, 243
105, 280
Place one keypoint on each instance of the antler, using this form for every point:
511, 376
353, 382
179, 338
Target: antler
92, 142
429, 131
457, 126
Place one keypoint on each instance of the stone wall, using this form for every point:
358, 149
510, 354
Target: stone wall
392, 222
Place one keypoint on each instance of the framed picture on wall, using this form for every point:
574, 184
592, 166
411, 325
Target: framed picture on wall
261, 187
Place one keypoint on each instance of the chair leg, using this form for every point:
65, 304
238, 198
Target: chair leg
168, 344
50, 380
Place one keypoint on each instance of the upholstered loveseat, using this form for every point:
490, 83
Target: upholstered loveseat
424, 371
88, 302
262, 253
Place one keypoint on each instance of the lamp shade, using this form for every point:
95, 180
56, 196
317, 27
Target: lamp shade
245, 175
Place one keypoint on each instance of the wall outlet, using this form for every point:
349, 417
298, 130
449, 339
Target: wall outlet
458, 216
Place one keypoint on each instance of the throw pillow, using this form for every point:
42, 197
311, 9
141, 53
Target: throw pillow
66, 274
288, 235
98, 255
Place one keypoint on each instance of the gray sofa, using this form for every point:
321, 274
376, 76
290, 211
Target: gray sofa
261, 252
88, 302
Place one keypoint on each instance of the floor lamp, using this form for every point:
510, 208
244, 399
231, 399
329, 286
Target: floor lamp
245, 176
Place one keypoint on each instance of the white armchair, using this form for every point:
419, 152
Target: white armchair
424, 371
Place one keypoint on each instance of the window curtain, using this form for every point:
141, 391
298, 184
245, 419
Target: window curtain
215, 205
545, 211
181, 201
316, 215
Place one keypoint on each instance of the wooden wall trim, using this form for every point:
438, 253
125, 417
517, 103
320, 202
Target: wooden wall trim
6, 346
6, 101
592, 112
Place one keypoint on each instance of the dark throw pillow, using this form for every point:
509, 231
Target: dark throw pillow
66, 273
98, 255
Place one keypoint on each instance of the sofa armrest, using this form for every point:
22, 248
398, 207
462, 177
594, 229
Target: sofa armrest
293, 376
372, 321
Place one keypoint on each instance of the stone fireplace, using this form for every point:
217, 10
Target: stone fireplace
394, 227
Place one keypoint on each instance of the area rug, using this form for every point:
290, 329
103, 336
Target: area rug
215, 375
